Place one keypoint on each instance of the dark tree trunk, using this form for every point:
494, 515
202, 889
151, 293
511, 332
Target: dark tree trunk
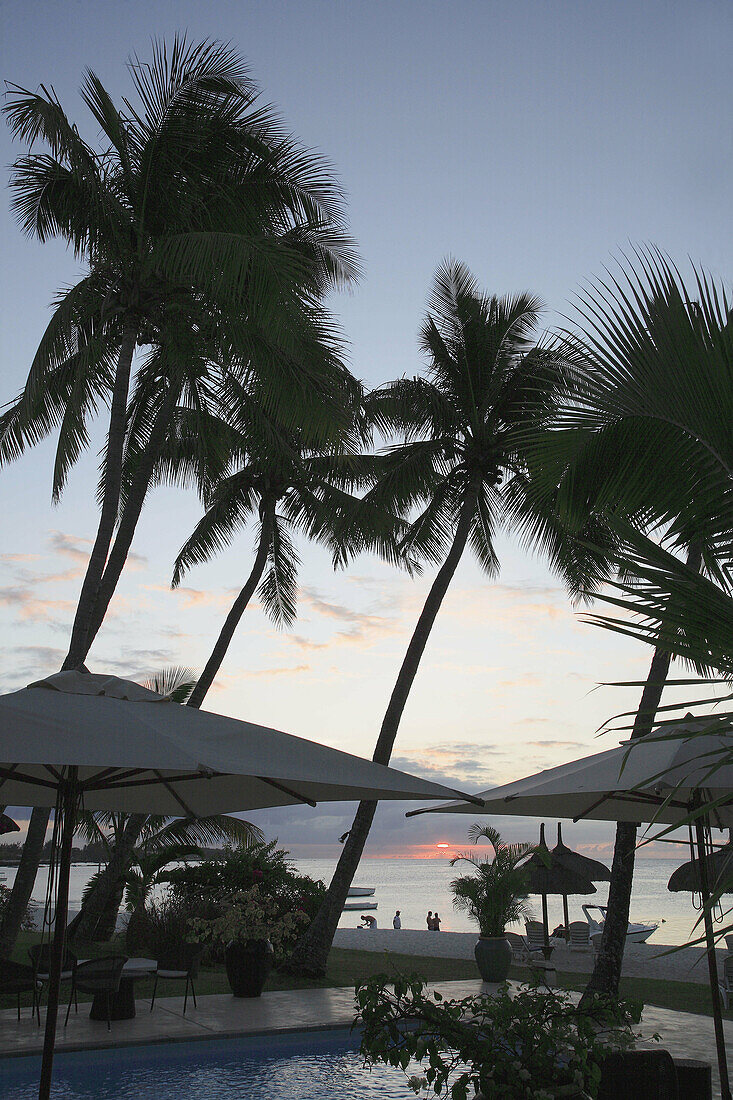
130, 516
604, 981
108, 919
78, 646
311, 952
237, 609
25, 879
88, 925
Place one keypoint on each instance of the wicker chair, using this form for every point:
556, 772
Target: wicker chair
180, 965
97, 976
40, 956
18, 978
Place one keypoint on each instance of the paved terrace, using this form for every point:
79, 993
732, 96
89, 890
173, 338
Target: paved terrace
220, 1016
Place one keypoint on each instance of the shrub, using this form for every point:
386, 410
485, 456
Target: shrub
530, 1045
27, 923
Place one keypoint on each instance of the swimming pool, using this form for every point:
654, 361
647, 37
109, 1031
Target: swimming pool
320, 1065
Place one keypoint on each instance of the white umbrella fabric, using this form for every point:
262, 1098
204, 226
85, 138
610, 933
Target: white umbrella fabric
108, 744
678, 769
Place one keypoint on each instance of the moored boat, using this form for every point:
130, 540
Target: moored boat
635, 932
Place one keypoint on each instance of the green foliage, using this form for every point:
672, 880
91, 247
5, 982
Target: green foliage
214, 882
495, 894
250, 915
530, 1044
27, 922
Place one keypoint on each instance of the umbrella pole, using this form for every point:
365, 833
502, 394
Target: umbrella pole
567, 918
712, 963
68, 809
546, 950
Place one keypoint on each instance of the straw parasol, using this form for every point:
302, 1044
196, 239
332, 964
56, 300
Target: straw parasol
114, 745
719, 866
592, 869
545, 876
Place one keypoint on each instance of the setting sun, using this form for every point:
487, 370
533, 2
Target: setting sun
442, 845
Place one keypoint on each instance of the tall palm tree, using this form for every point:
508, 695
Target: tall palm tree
198, 211
647, 442
198, 203
131, 845
283, 486
467, 429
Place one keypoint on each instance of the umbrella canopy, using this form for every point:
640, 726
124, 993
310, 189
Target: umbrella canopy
7, 825
117, 746
140, 753
565, 857
719, 868
631, 782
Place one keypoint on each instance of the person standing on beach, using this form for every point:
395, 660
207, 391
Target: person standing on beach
397, 920
436, 923
430, 919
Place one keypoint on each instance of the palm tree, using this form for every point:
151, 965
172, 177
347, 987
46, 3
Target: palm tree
496, 894
657, 397
198, 212
468, 428
284, 486
133, 843
197, 205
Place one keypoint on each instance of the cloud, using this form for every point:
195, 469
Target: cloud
361, 627
228, 679
71, 546
24, 663
29, 606
12, 558
196, 597
556, 744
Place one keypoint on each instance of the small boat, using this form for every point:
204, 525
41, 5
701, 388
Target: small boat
361, 891
350, 906
635, 933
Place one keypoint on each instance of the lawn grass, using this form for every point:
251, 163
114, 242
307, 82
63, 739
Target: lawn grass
348, 968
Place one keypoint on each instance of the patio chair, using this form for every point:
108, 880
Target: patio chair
729, 942
726, 984
18, 978
595, 942
40, 956
97, 976
535, 934
179, 965
579, 936
520, 947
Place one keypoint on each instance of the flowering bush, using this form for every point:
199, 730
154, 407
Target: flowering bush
530, 1045
250, 915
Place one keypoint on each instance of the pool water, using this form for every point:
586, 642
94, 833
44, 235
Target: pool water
321, 1065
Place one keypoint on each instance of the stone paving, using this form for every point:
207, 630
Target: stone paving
684, 1035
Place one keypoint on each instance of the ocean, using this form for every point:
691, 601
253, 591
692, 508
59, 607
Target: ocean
415, 885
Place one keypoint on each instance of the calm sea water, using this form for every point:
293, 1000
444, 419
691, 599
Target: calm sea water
415, 885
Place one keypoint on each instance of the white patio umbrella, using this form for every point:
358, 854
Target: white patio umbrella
108, 744
678, 769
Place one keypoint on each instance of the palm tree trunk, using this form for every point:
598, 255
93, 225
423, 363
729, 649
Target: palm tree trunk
311, 952
78, 647
604, 981
87, 926
25, 879
130, 516
218, 653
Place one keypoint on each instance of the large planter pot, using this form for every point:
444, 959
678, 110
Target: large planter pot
493, 957
248, 963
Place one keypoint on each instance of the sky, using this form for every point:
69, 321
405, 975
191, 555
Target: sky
530, 140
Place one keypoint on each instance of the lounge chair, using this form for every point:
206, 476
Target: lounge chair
726, 982
535, 935
18, 978
97, 976
520, 946
40, 956
579, 936
180, 965
595, 942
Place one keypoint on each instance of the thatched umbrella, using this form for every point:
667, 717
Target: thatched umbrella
591, 869
544, 876
719, 865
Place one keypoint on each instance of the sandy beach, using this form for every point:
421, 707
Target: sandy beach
640, 960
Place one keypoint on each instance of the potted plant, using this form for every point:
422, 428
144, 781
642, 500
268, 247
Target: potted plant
493, 895
253, 928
